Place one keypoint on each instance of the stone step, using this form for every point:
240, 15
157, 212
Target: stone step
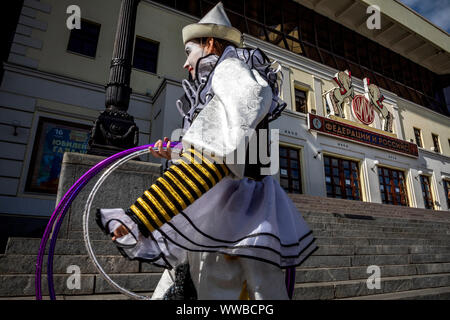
416, 229
77, 235
387, 214
329, 218
364, 208
318, 200
110, 296
26, 264
380, 234
442, 293
374, 234
372, 241
325, 204
369, 217
330, 250
375, 228
63, 246
429, 258
331, 256
24, 285
367, 260
305, 275
357, 288
429, 249
349, 261
29, 246
349, 218
376, 222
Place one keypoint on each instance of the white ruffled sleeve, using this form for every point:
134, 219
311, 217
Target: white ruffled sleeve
241, 100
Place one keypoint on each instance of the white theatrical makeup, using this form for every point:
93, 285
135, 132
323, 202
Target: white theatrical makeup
194, 51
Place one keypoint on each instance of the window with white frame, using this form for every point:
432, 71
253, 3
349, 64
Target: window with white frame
290, 176
301, 100
392, 186
426, 192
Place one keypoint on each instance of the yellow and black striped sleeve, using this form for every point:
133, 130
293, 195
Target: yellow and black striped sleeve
184, 182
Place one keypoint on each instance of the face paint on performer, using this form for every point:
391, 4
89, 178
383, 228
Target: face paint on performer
194, 52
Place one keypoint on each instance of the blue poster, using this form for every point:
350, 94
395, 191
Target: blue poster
54, 140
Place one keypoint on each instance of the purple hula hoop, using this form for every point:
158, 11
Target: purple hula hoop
61, 210
290, 281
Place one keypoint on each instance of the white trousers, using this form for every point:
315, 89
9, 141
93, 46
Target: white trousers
220, 277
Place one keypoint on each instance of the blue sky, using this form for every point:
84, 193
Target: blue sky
437, 11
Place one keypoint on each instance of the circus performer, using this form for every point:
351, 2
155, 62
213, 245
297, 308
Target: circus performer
214, 208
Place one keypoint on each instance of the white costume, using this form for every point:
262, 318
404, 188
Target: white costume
241, 231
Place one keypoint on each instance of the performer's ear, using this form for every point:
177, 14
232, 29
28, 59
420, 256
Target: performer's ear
209, 45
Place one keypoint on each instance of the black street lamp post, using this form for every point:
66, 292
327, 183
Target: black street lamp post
115, 130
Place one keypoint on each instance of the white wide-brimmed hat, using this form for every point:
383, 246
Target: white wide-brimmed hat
214, 24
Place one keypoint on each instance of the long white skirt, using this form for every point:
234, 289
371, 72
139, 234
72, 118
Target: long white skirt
218, 277
246, 218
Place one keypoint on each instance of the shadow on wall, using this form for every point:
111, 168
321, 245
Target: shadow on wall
20, 226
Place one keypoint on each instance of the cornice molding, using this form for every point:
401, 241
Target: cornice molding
67, 80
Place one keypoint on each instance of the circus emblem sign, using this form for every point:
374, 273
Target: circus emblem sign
364, 107
362, 110
336, 97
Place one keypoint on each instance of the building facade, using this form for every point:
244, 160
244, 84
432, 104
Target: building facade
368, 114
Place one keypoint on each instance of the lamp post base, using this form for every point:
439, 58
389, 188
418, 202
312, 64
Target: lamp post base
113, 128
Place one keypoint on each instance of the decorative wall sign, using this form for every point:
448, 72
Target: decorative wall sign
337, 97
363, 107
373, 94
317, 124
363, 110
355, 134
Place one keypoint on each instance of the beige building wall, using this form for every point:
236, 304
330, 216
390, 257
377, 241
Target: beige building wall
152, 23
303, 81
54, 57
429, 122
165, 27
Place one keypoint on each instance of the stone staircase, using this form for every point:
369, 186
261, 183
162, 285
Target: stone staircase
410, 246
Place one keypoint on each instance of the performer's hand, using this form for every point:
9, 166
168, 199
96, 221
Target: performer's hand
120, 232
166, 154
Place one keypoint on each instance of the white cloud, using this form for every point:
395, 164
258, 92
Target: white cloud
437, 11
